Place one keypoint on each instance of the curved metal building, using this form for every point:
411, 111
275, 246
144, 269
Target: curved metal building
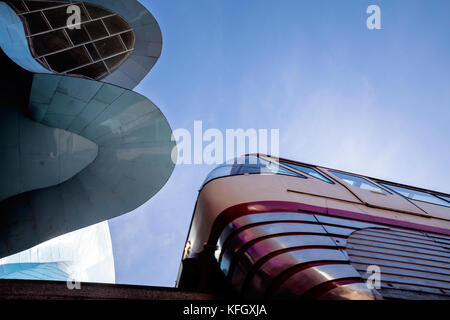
266, 228
117, 42
85, 255
77, 146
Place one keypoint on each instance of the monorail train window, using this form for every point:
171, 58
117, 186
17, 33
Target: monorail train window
417, 195
359, 182
307, 170
443, 197
249, 165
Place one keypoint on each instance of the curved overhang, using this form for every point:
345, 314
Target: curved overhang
133, 162
13, 40
148, 45
140, 59
35, 156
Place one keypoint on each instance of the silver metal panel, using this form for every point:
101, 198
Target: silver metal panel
353, 291
341, 242
441, 238
441, 241
402, 265
266, 246
345, 222
410, 262
419, 282
263, 217
339, 230
272, 268
434, 248
387, 256
407, 231
404, 272
414, 288
252, 233
301, 282
244, 261
405, 235
427, 254
396, 253
390, 293
390, 236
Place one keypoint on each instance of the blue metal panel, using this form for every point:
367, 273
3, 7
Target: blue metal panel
14, 42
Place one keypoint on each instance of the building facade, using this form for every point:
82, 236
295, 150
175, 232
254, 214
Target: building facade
77, 145
266, 228
85, 255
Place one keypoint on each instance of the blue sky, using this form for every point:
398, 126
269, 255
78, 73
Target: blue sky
374, 102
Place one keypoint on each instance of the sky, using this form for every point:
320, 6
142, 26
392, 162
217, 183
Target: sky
372, 102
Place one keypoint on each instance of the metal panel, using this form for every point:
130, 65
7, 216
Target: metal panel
270, 245
410, 262
345, 222
253, 233
433, 254
387, 256
339, 230
418, 282
262, 278
434, 248
402, 265
132, 164
260, 218
396, 253
260, 260
405, 293
402, 271
299, 283
408, 288
385, 235
353, 291
244, 261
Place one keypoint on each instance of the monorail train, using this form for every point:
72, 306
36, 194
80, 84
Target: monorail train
266, 228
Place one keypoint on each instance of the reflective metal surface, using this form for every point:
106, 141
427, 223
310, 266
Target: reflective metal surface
274, 266
244, 261
256, 250
103, 41
249, 165
354, 291
301, 282
250, 234
107, 47
33, 155
410, 262
329, 258
13, 40
263, 217
345, 222
133, 161
84, 255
